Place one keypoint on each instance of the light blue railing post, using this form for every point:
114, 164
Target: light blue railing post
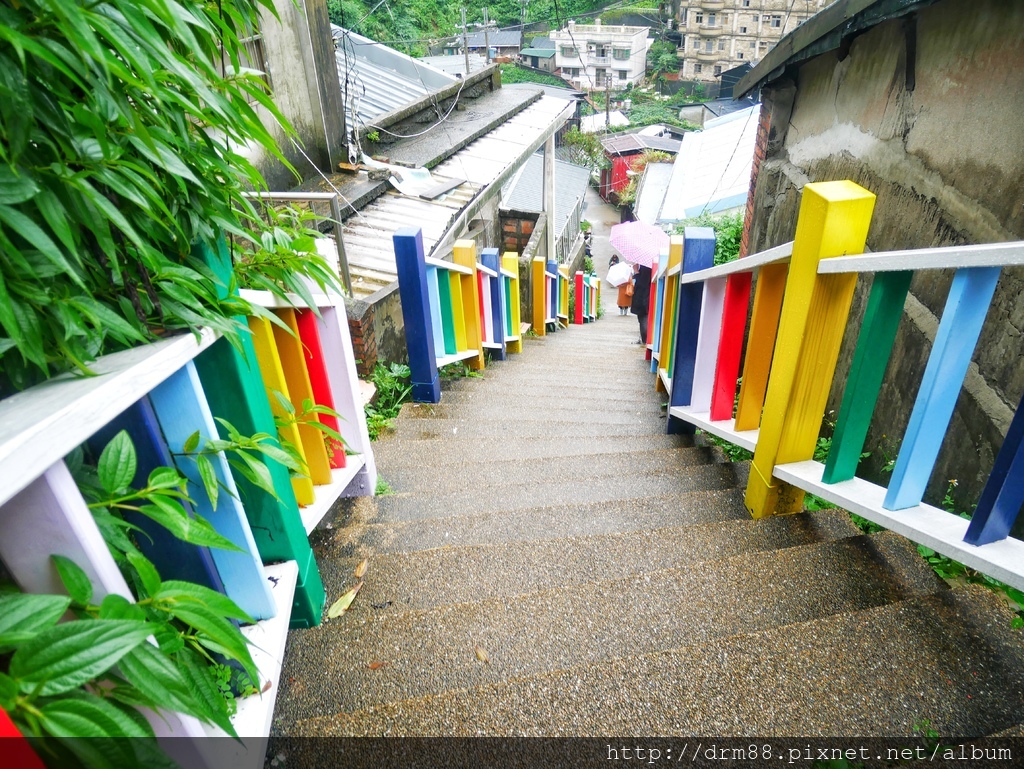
962, 319
490, 259
411, 266
698, 254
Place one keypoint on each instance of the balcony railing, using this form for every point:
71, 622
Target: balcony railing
800, 309
711, 55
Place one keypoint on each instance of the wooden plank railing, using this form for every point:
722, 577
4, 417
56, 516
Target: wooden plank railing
800, 309
588, 297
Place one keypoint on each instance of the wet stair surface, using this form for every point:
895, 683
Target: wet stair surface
611, 578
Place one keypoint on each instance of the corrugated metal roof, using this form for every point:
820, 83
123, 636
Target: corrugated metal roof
498, 38
543, 42
712, 170
525, 191
619, 144
377, 79
368, 234
456, 64
540, 53
653, 188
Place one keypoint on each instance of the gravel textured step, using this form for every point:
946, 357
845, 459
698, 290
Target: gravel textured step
494, 407
950, 657
581, 429
433, 651
394, 452
445, 575
558, 491
514, 472
694, 508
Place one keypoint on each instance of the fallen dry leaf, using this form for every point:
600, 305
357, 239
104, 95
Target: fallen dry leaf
376, 665
481, 654
338, 607
361, 568
266, 687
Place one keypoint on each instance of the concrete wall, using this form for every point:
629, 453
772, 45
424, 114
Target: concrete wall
304, 78
936, 133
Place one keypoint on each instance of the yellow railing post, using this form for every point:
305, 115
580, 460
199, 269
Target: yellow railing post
510, 261
538, 290
465, 256
833, 221
668, 315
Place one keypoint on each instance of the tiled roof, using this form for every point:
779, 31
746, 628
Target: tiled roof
525, 191
627, 143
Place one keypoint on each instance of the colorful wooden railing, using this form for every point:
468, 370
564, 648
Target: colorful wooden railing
550, 287
453, 311
799, 315
588, 297
162, 393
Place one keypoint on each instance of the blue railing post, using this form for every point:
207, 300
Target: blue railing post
1001, 500
490, 259
698, 254
962, 319
411, 265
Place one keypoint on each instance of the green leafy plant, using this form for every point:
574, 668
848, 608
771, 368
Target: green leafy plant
458, 370
393, 389
585, 226
308, 415
383, 488
728, 233
733, 452
121, 126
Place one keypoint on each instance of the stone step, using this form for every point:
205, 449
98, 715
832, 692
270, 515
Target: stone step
591, 426
392, 451
470, 397
432, 651
950, 657
575, 520
487, 475
451, 574
614, 490
488, 415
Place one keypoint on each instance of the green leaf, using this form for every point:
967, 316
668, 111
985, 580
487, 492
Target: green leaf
209, 478
165, 478
16, 188
174, 590
75, 580
191, 443
24, 616
209, 623
32, 233
117, 463
146, 570
8, 692
282, 399
114, 606
203, 688
195, 530
64, 657
156, 676
86, 715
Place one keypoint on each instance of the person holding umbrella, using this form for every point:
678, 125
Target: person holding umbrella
639, 243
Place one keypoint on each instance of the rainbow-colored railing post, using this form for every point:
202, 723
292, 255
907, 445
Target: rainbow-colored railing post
495, 306
1003, 495
694, 332
833, 221
582, 295
563, 295
539, 294
465, 257
411, 266
510, 279
669, 289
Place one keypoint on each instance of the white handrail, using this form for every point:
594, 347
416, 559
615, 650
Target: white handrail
776, 255
948, 257
443, 265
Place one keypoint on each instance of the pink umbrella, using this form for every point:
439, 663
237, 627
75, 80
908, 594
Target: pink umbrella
638, 242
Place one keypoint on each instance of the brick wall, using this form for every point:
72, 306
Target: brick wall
516, 229
364, 342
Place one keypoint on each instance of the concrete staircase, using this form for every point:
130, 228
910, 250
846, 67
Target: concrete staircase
551, 563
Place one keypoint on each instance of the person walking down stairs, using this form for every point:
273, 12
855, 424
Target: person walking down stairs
641, 299
625, 293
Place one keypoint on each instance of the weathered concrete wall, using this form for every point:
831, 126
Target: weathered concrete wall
304, 78
940, 142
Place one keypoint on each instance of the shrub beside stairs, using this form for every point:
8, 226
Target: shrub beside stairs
550, 562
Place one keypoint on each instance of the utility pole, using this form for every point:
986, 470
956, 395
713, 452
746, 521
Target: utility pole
487, 39
465, 41
607, 102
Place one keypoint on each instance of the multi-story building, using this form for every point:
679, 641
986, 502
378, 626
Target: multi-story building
717, 35
591, 55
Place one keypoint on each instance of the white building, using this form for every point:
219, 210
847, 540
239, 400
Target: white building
587, 55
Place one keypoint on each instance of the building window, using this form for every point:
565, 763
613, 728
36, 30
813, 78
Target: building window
698, 17
622, 54
746, 3
743, 30
682, 20
682, 44
599, 76
751, 43
255, 57
718, 69
711, 19
739, 55
697, 68
568, 50
623, 74
775, 21
709, 46
721, 45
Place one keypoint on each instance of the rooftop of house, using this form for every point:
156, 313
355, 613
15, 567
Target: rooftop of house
597, 121
542, 41
541, 53
496, 38
823, 32
455, 64
376, 79
712, 170
597, 29
525, 190
630, 143
650, 195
